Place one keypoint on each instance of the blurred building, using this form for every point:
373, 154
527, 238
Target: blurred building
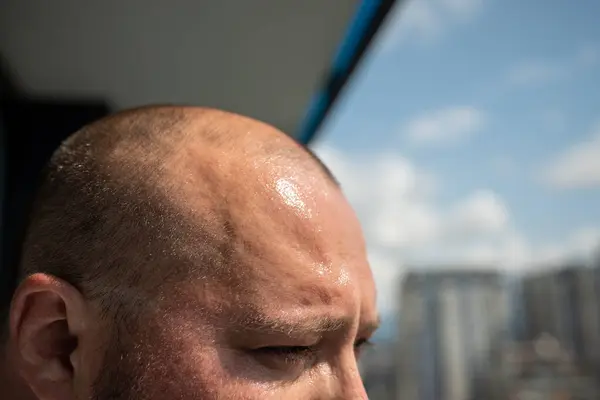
450, 324
565, 303
543, 369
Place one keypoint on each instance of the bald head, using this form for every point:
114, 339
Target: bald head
201, 254
121, 198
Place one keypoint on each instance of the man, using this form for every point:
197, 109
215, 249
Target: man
185, 253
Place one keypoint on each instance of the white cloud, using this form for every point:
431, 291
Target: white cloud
387, 272
387, 189
420, 18
404, 225
585, 240
580, 245
446, 125
395, 202
427, 19
578, 166
511, 251
483, 212
536, 71
502, 250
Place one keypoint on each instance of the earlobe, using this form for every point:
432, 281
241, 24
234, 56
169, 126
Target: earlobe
45, 323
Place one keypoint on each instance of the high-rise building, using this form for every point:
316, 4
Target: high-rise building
543, 370
565, 303
449, 324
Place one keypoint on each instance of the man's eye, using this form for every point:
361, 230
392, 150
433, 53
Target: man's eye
360, 344
285, 357
286, 351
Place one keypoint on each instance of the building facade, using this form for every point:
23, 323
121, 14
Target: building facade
565, 303
449, 325
542, 369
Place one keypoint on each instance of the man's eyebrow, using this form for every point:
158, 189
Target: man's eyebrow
265, 323
370, 325
301, 324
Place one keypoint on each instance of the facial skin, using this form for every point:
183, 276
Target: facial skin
288, 322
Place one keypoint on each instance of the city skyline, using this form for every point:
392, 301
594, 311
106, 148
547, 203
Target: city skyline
474, 334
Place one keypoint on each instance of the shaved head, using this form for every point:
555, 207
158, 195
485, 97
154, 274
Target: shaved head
137, 179
199, 238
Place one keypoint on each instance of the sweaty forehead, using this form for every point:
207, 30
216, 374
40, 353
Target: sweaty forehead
300, 243
295, 238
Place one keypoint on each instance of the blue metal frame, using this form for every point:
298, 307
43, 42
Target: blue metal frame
367, 20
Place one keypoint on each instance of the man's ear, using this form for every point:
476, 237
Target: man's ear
47, 320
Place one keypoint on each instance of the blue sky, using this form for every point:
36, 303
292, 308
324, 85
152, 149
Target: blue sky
471, 136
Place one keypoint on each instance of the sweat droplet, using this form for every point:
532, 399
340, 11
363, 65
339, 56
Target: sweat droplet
287, 190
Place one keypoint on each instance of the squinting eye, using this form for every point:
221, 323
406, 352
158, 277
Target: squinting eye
287, 354
284, 350
360, 344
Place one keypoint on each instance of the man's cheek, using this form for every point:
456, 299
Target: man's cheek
200, 361
224, 373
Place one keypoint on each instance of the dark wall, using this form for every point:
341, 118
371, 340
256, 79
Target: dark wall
31, 130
